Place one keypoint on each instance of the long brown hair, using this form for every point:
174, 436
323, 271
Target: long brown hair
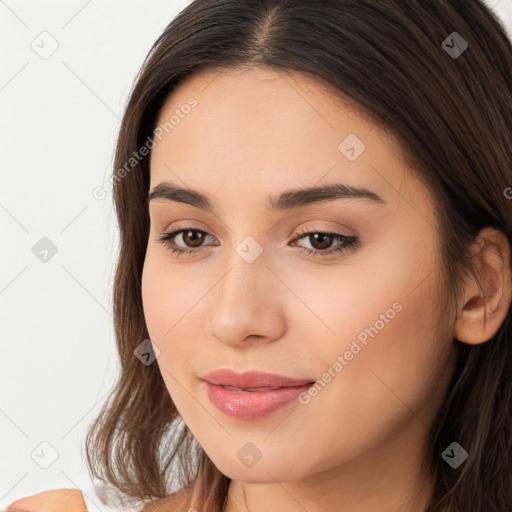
452, 115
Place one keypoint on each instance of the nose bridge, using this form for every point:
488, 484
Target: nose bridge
242, 303
246, 271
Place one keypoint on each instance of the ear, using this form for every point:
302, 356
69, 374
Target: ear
482, 311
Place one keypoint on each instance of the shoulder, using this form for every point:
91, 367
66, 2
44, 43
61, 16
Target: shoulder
54, 500
69, 500
73, 500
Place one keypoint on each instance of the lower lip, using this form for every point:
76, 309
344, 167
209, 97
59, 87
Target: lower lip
249, 405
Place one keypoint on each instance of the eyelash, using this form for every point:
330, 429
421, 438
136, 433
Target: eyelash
349, 242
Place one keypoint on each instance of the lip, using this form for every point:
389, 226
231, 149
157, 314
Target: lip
252, 379
246, 404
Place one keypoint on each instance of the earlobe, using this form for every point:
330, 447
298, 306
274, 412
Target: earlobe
483, 310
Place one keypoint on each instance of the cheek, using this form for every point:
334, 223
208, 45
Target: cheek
167, 294
158, 294
163, 301
173, 302
368, 287
152, 292
394, 365
380, 316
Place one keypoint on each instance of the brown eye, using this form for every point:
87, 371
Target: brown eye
192, 237
320, 241
191, 240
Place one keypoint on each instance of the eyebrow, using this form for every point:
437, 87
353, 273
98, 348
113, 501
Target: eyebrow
290, 199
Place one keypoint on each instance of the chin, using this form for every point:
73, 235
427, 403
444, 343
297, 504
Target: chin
264, 471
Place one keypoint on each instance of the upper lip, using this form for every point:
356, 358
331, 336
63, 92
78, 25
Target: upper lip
252, 379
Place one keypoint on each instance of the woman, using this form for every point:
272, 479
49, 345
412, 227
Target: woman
312, 298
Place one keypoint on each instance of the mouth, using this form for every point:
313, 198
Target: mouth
252, 395
232, 388
252, 380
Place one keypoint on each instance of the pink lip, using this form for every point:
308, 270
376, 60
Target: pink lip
252, 404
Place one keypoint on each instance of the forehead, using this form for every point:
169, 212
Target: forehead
262, 100
263, 130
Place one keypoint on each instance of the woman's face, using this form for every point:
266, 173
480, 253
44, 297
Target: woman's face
357, 315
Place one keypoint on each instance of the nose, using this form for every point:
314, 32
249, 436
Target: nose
245, 305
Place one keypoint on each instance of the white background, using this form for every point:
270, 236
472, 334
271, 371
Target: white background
60, 118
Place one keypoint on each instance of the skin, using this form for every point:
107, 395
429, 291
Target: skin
358, 444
